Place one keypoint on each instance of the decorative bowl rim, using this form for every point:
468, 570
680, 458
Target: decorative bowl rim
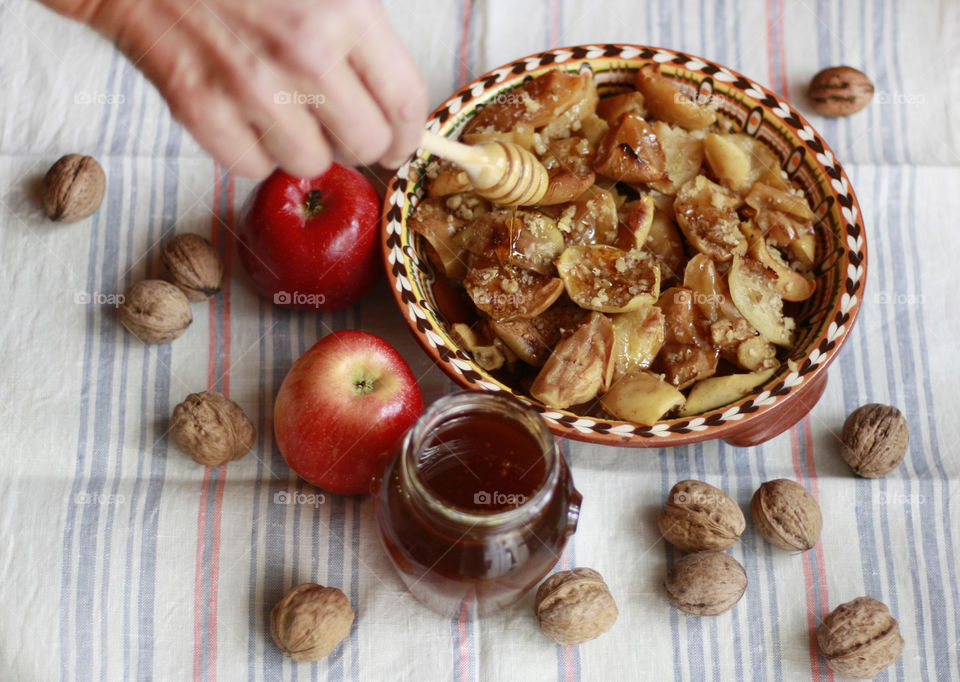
812, 152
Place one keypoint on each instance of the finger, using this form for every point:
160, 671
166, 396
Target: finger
288, 131
390, 73
223, 133
355, 126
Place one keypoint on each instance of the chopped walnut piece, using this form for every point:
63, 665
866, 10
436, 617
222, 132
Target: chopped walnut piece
580, 367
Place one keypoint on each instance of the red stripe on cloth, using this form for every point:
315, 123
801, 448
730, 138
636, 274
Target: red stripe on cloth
771, 45
198, 605
782, 48
226, 235
814, 587
463, 47
817, 548
464, 639
554, 24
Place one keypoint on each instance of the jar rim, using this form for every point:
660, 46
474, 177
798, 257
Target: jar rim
478, 402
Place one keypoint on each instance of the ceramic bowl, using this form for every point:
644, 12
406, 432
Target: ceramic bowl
823, 322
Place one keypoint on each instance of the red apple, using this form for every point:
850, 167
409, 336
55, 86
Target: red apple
312, 243
345, 402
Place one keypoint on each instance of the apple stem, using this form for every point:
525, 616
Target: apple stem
313, 203
362, 386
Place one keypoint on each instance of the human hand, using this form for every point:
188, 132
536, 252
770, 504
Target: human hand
273, 82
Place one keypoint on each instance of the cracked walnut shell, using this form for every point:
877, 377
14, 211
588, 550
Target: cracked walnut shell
310, 621
575, 606
786, 515
705, 583
860, 638
155, 311
73, 188
193, 265
874, 440
212, 429
697, 516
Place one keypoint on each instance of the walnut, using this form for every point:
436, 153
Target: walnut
698, 516
874, 440
705, 583
193, 265
310, 621
155, 311
860, 638
211, 428
786, 515
840, 91
73, 188
575, 606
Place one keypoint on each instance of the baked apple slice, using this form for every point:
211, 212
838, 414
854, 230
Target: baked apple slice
568, 167
506, 292
688, 353
631, 152
527, 239
666, 102
665, 244
637, 338
683, 153
753, 288
634, 227
610, 109
641, 397
531, 339
719, 391
489, 353
707, 215
439, 227
608, 279
535, 103
790, 284
580, 367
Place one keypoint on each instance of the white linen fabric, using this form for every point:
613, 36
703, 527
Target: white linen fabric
122, 559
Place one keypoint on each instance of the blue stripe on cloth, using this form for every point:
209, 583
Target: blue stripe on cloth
121, 430
869, 547
930, 450
828, 127
759, 547
158, 454
725, 454
356, 508
884, 266
89, 512
273, 581
890, 248
264, 441
336, 526
711, 626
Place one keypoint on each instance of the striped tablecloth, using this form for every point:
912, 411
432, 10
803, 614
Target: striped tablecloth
123, 559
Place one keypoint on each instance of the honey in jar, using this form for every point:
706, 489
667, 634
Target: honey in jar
476, 504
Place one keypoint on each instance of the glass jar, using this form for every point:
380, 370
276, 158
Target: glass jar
477, 504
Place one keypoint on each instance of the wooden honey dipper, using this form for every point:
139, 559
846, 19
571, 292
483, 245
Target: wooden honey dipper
502, 172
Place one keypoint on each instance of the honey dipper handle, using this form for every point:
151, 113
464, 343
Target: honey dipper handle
485, 166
